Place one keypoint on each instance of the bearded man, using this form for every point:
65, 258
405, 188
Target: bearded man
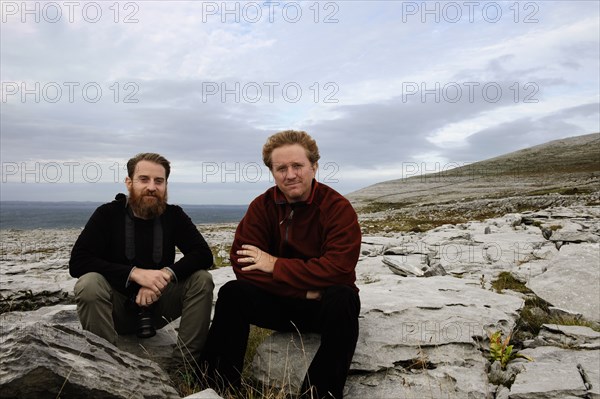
124, 259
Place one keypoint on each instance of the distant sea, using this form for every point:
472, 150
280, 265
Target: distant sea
27, 215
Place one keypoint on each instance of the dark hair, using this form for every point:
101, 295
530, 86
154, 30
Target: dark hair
289, 137
148, 156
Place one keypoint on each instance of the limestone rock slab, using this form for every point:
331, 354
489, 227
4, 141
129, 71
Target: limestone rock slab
555, 373
41, 359
572, 280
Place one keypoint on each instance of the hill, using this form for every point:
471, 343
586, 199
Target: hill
560, 172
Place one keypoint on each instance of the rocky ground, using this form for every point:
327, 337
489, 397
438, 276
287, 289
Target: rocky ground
508, 246
428, 310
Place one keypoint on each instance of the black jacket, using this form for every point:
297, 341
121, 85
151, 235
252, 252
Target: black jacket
101, 245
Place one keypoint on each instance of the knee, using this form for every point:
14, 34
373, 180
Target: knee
342, 298
232, 292
90, 287
199, 284
201, 279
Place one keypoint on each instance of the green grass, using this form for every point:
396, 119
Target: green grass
220, 261
535, 311
506, 281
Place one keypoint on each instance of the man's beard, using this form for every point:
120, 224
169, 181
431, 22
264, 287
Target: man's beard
146, 205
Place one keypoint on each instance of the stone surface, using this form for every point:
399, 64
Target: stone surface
206, 394
406, 265
408, 325
572, 280
420, 337
574, 337
555, 373
42, 359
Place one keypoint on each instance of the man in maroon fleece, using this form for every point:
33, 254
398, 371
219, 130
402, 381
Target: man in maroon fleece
294, 256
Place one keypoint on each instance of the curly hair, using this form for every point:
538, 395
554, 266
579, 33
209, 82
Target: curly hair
289, 137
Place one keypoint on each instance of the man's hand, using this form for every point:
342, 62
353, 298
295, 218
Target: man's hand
145, 297
256, 258
155, 280
315, 295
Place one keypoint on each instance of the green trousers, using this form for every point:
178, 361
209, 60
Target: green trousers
107, 313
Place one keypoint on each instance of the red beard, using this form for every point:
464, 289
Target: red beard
146, 205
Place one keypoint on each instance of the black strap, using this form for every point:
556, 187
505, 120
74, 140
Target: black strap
130, 238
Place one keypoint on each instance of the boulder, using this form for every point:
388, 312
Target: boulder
406, 265
42, 356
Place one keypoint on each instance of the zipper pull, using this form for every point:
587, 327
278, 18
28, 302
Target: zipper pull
289, 217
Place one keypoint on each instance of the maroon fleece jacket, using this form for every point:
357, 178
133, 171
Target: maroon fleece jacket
317, 242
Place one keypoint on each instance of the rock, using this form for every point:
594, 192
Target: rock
419, 337
434, 270
284, 358
571, 280
406, 265
498, 376
206, 394
574, 337
558, 312
502, 392
34, 268
41, 358
575, 237
414, 333
555, 373
546, 233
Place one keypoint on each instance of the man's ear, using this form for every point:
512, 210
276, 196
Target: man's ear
315, 166
128, 183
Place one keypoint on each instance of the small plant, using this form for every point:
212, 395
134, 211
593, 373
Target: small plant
501, 351
506, 281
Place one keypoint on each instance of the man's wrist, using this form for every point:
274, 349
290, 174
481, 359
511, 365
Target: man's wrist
171, 273
129, 277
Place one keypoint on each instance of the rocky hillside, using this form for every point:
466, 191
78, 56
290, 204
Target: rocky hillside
559, 173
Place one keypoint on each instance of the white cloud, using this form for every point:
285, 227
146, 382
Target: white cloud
182, 82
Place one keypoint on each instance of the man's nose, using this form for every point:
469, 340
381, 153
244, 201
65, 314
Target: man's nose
290, 173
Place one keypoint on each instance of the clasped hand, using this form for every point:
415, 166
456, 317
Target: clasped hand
152, 282
256, 258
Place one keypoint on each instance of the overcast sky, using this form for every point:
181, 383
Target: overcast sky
387, 88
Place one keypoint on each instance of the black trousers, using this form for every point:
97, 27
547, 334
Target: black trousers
240, 303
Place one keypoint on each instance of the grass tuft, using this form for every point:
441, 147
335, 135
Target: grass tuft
506, 281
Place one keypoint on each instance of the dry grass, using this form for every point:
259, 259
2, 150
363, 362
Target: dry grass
188, 378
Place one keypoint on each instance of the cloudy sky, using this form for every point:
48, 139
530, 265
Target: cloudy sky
387, 88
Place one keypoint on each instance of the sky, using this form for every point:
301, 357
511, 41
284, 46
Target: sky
388, 89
